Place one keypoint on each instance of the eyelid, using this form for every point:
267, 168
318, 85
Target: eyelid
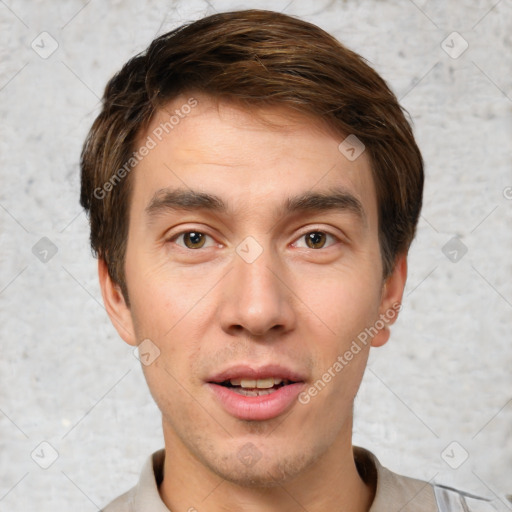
335, 241
335, 233
185, 228
172, 238
307, 229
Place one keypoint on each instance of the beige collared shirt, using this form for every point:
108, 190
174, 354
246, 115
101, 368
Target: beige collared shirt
394, 493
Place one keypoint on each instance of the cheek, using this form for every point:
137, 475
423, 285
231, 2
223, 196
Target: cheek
169, 375
164, 298
346, 306
344, 301
161, 314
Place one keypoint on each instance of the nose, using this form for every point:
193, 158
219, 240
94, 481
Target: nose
256, 298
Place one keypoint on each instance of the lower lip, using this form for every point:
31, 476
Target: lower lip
259, 408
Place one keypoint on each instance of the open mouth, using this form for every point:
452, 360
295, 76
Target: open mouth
255, 387
256, 394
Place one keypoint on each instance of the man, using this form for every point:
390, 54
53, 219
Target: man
253, 188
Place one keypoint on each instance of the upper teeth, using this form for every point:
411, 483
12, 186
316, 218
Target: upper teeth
258, 383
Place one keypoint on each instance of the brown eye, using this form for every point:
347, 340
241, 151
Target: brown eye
315, 239
194, 239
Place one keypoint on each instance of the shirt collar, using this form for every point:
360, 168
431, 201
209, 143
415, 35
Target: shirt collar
146, 496
393, 492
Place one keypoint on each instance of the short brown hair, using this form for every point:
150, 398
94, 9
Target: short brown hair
256, 58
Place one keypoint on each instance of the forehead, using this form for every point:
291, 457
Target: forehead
247, 156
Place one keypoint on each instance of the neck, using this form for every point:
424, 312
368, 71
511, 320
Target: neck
332, 482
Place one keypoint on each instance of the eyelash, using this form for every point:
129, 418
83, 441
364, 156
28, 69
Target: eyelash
182, 233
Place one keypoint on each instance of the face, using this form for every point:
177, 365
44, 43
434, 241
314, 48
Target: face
252, 265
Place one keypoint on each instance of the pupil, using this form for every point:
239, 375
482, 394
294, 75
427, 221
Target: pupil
315, 239
194, 239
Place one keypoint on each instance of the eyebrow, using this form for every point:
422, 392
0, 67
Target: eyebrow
338, 199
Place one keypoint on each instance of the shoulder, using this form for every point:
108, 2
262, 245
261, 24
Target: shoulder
394, 492
144, 496
449, 499
123, 503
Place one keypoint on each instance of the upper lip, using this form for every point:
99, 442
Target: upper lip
262, 372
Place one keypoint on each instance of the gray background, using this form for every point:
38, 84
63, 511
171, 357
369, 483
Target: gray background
68, 380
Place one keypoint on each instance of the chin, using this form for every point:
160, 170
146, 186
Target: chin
270, 470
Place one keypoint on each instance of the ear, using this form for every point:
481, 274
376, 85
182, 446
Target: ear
119, 313
391, 300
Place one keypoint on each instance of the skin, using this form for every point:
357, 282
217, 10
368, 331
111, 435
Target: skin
207, 309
